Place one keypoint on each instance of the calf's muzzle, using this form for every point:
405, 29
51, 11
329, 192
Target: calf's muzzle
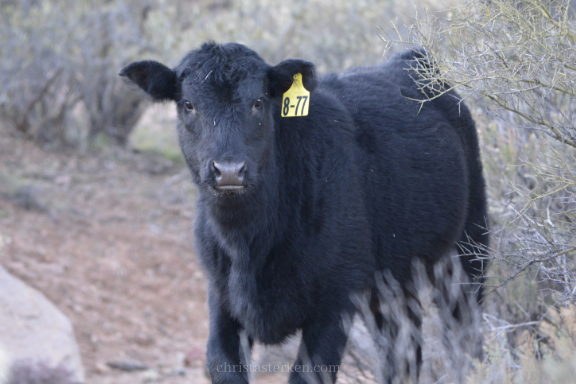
229, 176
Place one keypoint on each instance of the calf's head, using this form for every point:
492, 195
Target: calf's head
228, 101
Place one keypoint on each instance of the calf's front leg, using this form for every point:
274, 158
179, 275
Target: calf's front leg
223, 351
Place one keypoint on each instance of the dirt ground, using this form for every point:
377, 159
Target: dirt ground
107, 237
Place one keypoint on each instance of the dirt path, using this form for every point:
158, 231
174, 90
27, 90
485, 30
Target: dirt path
108, 239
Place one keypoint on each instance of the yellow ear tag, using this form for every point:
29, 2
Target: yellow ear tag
296, 100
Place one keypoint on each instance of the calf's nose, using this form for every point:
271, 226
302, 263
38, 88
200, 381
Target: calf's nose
229, 174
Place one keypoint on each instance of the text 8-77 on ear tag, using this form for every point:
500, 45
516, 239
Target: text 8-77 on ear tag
295, 101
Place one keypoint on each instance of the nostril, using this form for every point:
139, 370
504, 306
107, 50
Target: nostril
242, 169
216, 168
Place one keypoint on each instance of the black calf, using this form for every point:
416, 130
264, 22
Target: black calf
297, 214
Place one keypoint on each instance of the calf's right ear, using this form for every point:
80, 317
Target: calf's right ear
156, 79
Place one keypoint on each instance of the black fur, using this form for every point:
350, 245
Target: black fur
365, 183
156, 79
281, 76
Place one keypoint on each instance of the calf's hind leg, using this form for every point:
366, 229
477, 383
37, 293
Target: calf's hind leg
321, 350
457, 298
397, 331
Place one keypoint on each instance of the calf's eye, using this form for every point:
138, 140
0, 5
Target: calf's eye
258, 103
188, 105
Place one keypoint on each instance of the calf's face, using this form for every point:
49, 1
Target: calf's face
227, 100
226, 129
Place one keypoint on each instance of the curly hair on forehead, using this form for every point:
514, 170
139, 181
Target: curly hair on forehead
222, 65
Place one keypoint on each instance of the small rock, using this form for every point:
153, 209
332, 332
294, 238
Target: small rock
194, 356
178, 372
127, 366
4, 241
64, 179
142, 339
27, 197
150, 376
102, 368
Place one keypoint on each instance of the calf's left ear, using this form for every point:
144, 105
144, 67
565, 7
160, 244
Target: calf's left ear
156, 79
281, 76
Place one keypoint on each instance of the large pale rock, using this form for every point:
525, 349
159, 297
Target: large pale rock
32, 328
4, 366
